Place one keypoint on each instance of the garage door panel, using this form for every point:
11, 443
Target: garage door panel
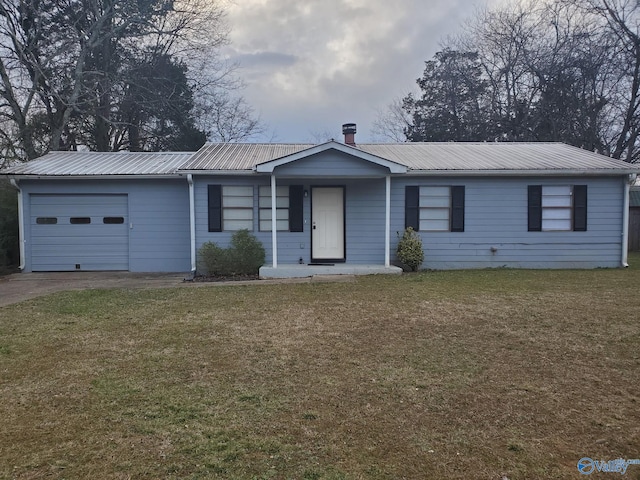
59, 245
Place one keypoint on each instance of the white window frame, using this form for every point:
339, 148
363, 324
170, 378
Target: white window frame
237, 207
282, 208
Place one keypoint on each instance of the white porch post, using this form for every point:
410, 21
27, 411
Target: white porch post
387, 222
274, 230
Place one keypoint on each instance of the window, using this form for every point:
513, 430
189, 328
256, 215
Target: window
46, 220
282, 208
559, 208
237, 208
435, 208
231, 208
80, 220
112, 220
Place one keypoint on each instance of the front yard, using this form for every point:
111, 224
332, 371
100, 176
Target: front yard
474, 374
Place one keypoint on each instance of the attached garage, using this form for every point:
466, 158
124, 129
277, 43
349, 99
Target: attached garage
79, 232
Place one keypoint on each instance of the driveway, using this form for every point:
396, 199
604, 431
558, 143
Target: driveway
24, 286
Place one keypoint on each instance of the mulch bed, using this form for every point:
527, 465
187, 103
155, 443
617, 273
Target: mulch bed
221, 278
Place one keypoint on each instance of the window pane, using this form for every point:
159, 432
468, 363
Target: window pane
556, 214
281, 214
556, 225
79, 220
237, 224
237, 214
556, 190
46, 220
434, 225
281, 202
281, 225
434, 191
556, 201
235, 191
434, 214
112, 220
244, 202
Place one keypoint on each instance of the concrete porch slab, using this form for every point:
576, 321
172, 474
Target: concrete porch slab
301, 271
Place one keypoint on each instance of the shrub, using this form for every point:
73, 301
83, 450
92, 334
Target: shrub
244, 256
247, 252
409, 250
212, 259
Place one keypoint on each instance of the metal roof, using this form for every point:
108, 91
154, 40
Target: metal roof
634, 197
102, 163
443, 158
468, 157
494, 156
240, 156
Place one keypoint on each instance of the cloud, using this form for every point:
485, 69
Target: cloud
311, 66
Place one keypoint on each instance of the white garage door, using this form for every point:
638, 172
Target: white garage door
79, 232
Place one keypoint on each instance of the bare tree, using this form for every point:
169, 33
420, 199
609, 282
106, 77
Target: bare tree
392, 123
621, 21
69, 67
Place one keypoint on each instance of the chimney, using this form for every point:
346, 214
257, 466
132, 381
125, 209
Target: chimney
349, 131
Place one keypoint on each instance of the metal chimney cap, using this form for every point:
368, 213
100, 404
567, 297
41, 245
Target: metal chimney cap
348, 128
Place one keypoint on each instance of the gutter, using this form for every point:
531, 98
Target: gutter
22, 176
14, 182
625, 219
192, 224
524, 173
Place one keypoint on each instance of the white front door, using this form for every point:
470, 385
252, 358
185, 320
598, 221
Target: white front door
327, 224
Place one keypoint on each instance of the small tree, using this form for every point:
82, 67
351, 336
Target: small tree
409, 250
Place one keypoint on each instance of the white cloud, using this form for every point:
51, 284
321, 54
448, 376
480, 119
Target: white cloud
311, 66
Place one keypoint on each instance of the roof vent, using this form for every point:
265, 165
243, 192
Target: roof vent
349, 132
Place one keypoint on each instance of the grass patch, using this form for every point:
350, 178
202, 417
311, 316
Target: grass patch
466, 374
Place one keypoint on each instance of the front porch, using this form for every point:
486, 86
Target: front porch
301, 271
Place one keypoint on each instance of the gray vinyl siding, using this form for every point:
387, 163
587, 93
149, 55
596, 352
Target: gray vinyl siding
158, 216
496, 217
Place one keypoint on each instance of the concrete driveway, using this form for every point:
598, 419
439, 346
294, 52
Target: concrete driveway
24, 286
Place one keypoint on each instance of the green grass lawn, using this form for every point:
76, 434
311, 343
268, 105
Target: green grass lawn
464, 374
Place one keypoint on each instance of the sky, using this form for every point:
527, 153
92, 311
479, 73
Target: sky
311, 65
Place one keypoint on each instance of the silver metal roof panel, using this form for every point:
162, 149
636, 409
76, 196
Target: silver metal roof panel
102, 163
240, 156
494, 156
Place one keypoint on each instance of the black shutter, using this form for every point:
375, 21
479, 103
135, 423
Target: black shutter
535, 208
412, 207
457, 208
215, 208
296, 199
580, 208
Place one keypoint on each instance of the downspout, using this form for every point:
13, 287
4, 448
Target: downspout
625, 219
20, 223
192, 224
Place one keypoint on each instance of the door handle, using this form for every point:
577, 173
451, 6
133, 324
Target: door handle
314, 225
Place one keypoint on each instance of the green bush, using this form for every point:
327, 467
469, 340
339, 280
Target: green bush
244, 256
409, 250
